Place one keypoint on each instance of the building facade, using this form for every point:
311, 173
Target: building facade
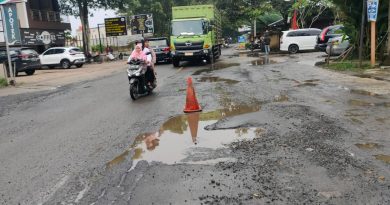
41, 24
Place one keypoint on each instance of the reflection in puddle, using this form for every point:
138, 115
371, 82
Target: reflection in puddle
262, 61
368, 146
216, 66
384, 158
212, 79
179, 135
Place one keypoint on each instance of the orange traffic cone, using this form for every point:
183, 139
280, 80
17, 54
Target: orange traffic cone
192, 104
193, 122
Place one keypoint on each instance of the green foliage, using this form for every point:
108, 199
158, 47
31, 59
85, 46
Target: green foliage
351, 15
352, 66
96, 48
3, 82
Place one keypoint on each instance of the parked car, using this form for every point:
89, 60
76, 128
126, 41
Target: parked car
25, 60
339, 45
64, 57
326, 34
161, 48
294, 41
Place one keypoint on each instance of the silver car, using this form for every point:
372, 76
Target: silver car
339, 45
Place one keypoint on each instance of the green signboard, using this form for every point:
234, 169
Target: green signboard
12, 24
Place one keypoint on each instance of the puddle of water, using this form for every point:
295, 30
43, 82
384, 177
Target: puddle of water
178, 136
311, 80
363, 92
212, 79
281, 98
384, 158
216, 66
368, 146
307, 84
362, 103
381, 120
370, 76
262, 61
355, 120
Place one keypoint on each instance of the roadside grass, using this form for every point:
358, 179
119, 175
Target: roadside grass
3, 82
352, 66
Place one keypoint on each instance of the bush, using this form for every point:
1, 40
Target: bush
96, 48
3, 82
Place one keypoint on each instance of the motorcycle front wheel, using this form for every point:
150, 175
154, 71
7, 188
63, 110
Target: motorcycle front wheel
134, 91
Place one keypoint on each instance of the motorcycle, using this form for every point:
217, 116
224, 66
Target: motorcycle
137, 80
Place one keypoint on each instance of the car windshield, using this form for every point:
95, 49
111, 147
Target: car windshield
28, 52
158, 43
192, 27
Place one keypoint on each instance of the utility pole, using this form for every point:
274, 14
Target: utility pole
100, 40
372, 14
388, 34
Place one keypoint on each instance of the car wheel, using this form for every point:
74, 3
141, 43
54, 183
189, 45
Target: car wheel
79, 65
30, 72
176, 62
293, 49
65, 64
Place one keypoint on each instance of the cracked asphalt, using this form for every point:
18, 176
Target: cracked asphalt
274, 130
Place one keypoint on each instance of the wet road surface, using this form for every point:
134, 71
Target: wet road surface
274, 130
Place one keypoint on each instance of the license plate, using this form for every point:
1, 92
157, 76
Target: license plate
188, 54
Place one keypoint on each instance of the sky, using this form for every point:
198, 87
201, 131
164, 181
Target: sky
98, 17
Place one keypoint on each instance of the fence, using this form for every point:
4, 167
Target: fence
115, 43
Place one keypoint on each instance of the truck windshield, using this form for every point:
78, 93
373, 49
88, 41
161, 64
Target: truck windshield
192, 27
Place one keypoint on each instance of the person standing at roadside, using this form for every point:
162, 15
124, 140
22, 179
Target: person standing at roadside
267, 42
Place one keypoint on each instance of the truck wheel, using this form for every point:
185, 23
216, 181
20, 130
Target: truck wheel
176, 62
210, 60
30, 72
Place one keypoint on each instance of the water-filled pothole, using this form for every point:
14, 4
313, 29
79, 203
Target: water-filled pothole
383, 158
362, 103
179, 136
368, 146
213, 79
216, 66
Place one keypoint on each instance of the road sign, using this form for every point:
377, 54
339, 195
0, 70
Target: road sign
11, 1
142, 24
12, 24
241, 39
115, 26
372, 9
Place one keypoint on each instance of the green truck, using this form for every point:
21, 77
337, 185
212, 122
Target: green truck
196, 34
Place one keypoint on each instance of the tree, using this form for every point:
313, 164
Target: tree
81, 8
310, 10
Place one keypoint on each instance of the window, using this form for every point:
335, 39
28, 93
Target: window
59, 51
49, 52
75, 50
314, 32
292, 34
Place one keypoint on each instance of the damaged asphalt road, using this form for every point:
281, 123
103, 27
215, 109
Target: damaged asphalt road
273, 131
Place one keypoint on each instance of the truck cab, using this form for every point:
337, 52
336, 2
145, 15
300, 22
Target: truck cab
194, 38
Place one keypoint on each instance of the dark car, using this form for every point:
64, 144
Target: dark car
161, 48
326, 34
25, 60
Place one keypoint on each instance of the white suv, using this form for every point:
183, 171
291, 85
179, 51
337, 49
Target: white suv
62, 56
300, 39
